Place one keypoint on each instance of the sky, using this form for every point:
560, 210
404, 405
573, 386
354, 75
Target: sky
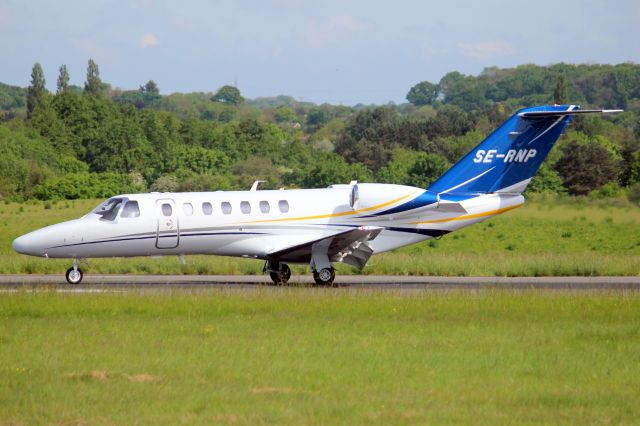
336, 51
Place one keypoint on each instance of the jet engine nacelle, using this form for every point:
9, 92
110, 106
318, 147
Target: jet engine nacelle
367, 195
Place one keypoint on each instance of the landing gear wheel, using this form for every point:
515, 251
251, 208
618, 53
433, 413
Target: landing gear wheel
324, 276
282, 276
74, 275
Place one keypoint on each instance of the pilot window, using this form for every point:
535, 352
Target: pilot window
109, 209
130, 209
207, 208
283, 205
226, 207
187, 208
245, 207
264, 207
166, 209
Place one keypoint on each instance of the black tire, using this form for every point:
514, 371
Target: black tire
324, 276
72, 277
281, 277
286, 272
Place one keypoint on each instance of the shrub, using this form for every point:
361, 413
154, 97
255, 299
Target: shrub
634, 193
166, 183
85, 185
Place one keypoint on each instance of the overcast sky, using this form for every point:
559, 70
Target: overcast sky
359, 51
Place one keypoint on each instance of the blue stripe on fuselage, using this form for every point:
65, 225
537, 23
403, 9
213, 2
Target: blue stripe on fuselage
422, 200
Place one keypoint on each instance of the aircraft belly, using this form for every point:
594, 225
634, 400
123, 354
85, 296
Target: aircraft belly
390, 240
236, 244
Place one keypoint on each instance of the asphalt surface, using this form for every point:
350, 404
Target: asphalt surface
159, 282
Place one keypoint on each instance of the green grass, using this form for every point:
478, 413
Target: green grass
314, 356
557, 237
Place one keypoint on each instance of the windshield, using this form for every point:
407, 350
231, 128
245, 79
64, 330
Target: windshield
109, 209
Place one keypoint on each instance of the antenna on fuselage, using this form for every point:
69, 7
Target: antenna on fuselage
254, 187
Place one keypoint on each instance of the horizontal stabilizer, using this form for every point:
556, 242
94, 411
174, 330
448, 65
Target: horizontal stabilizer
451, 207
350, 247
542, 114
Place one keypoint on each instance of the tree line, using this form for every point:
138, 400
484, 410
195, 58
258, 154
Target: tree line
94, 141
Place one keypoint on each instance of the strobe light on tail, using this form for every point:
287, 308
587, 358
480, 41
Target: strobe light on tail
319, 227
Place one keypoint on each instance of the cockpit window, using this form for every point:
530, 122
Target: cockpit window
109, 209
130, 209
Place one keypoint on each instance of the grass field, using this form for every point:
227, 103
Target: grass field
558, 237
315, 356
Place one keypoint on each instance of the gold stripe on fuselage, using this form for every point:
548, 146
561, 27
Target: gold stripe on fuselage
329, 215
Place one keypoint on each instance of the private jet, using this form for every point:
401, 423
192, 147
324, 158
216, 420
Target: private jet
320, 227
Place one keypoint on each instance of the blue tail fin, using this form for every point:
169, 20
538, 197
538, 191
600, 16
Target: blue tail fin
509, 157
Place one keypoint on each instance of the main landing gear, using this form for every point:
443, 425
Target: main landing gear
324, 276
280, 273
323, 272
74, 274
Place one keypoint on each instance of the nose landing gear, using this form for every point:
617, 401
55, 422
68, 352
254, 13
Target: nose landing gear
74, 274
279, 272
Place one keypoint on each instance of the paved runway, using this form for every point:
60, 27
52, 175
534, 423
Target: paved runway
159, 282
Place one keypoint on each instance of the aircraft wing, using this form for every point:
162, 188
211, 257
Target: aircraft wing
350, 247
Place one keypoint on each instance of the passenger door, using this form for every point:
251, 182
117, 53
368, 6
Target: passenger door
168, 235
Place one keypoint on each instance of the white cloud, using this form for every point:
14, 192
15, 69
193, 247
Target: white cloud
335, 29
148, 40
487, 50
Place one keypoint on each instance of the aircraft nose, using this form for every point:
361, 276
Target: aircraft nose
26, 244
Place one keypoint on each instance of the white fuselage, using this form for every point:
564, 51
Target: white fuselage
256, 223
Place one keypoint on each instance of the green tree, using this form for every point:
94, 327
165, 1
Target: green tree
86, 185
93, 85
546, 180
319, 115
63, 79
37, 90
45, 119
370, 137
150, 88
467, 92
26, 159
560, 93
423, 93
284, 114
397, 170
167, 183
586, 166
150, 91
228, 95
12, 97
427, 168
257, 168
329, 169
117, 143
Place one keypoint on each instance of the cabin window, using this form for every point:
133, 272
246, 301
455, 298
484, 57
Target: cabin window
130, 209
283, 205
167, 210
207, 208
109, 209
226, 207
245, 207
187, 208
264, 207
